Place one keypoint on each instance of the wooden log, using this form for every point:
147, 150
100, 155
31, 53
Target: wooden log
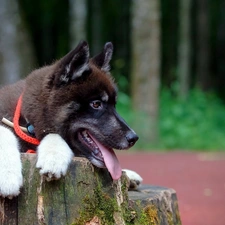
159, 204
85, 196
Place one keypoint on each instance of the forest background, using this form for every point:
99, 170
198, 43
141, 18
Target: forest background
169, 59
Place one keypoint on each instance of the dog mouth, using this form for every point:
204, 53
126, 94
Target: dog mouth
102, 156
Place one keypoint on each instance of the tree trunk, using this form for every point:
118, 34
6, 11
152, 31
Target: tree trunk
95, 26
203, 78
146, 65
16, 50
78, 20
184, 48
86, 196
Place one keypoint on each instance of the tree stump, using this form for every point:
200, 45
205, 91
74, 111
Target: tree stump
86, 196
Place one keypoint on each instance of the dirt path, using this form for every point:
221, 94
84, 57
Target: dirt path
198, 178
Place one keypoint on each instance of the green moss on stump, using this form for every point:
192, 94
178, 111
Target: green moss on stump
100, 205
103, 207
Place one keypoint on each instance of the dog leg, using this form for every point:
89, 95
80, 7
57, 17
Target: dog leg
135, 179
54, 156
10, 164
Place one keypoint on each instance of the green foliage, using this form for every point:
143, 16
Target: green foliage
196, 123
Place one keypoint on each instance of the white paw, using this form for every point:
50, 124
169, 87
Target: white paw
10, 184
135, 179
54, 156
11, 178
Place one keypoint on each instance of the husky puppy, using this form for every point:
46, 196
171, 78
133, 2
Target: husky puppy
70, 108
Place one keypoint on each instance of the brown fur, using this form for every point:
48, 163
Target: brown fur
71, 105
39, 93
54, 98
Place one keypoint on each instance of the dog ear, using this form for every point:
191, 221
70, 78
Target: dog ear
102, 60
75, 63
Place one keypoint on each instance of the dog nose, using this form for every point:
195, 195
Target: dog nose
131, 138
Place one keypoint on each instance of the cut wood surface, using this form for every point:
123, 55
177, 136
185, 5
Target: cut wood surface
86, 195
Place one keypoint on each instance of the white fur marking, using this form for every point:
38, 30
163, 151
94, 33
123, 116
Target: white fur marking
64, 78
10, 164
54, 156
108, 57
68, 68
105, 97
133, 175
79, 72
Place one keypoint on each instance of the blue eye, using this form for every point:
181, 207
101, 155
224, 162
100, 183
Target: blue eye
97, 104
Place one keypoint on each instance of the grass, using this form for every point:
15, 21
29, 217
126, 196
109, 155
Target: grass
198, 123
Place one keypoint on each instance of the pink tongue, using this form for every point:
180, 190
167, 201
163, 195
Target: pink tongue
110, 159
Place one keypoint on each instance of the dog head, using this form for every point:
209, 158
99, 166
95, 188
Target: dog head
78, 98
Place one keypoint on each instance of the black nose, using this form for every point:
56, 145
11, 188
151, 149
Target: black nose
131, 138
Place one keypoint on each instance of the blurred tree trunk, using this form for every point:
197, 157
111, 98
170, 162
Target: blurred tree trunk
78, 20
16, 51
95, 26
219, 55
184, 48
203, 76
146, 65
169, 29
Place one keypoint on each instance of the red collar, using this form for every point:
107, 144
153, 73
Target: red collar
17, 128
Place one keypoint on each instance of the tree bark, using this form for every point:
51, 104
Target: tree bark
16, 51
184, 48
95, 25
78, 20
146, 64
159, 203
86, 196
203, 75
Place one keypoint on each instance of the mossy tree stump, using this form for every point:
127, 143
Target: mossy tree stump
86, 195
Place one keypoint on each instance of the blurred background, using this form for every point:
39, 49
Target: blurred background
168, 59
169, 64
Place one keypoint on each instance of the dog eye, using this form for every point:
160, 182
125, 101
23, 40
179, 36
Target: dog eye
97, 104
